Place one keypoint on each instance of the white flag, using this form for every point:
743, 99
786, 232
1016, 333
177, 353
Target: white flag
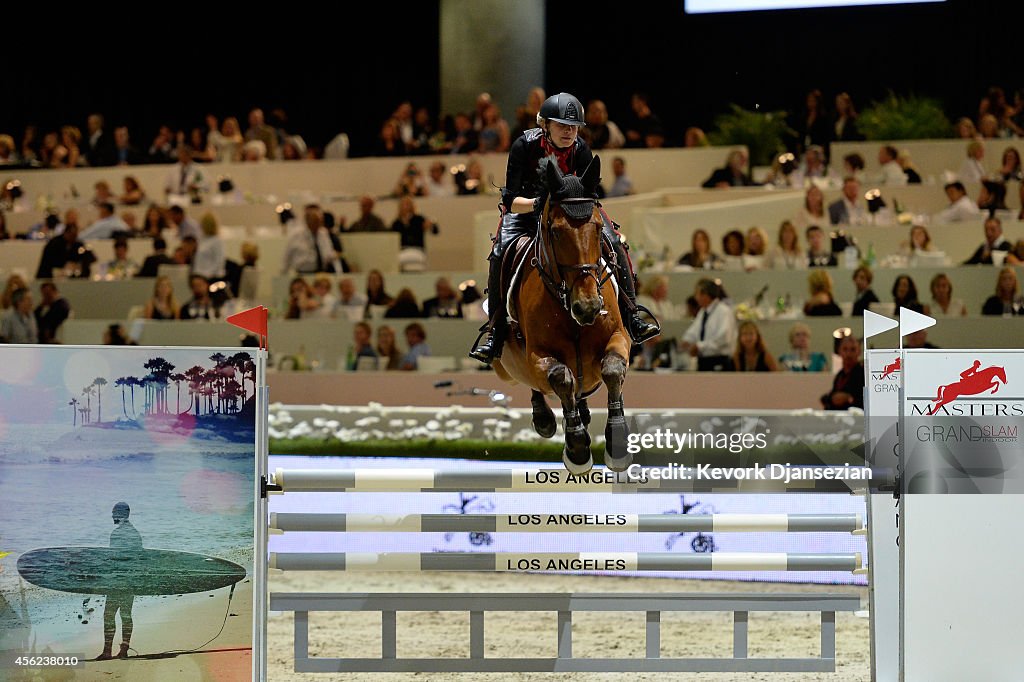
875, 324
911, 322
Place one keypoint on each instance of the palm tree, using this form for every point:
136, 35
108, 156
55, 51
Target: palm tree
87, 413
177, 378
195, 381
132, 382
99, 383
122, 382
74, 411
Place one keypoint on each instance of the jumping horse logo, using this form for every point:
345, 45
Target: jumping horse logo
973, 381
891, 368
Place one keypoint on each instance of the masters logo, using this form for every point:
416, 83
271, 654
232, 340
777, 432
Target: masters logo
971, 396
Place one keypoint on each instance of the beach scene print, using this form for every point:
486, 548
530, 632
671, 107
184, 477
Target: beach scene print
127, 481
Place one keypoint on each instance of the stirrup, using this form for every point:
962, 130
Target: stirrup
641, 330
488, 351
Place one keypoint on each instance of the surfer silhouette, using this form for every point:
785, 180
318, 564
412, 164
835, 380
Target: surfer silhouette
126, 538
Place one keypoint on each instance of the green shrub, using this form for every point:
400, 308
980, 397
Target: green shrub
763, 132
905, 118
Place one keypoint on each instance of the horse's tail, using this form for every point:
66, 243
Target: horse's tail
938, 395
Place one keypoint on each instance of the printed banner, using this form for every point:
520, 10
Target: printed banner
127, 479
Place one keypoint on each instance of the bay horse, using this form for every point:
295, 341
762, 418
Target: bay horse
567, 335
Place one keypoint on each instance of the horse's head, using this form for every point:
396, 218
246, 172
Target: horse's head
573, 226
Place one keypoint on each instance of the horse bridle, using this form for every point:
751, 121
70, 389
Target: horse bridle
542, 263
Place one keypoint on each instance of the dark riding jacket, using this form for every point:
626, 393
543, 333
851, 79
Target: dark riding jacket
522, 178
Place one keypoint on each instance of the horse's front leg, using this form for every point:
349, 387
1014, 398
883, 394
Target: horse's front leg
576, 454
616, 432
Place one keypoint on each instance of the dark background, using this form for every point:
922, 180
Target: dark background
333, 75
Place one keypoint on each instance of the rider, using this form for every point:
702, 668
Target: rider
523, 199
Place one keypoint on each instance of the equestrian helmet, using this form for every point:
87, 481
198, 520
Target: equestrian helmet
563, 108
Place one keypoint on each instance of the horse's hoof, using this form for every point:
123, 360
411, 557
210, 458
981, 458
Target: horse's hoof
576, 468
617, 456
545, 425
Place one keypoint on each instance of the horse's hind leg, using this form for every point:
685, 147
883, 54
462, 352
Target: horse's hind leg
576, 455
616, 433
543, 418
584, 410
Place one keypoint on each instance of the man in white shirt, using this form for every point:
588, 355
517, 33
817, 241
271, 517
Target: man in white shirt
106, 226
712, 336
439, 184
184, 179
892, 171
309, 249
849, 209
961, 206
622, 186
972, 169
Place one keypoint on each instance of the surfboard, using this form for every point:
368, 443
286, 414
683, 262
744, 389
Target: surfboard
104, 570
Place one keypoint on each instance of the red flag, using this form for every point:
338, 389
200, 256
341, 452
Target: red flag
252, 320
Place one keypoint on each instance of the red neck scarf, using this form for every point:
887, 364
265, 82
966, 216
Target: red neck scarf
562, 155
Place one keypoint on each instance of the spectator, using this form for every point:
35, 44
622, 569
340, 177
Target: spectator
209, 257
154, 222
186, 251
310, 249
844, 126
115, 335
162, 305
162, 149
695, 137
751, 353
821, 302
260, 131
961, 206
18, 324
943, 304
992, 196
526, 115
907, 165
622, 186
199, 145
1015, 256
416, 337
107, 226
151, 265
464, 139
733, 174
849, 209
918, 339
99, 147
103, 193
891, 173
862, 278
848, 385
966, 130
813, 127
819, 251
227, 142
30, 146
66, 254
904, 294
445, 303
993, 242
853, 166
800, 357
732, 250
121, 267
8, 152
67, 154
404, 305
600, 133
920, 241
368, 220
51, 312
423, 133
360, 348
48, 151
972, 169
754, 257
813, 211
375, 292
646, 129
1006, 301
812, 168
712, 335
302, 304
133, 192
654, 296
700, 256
438, 183
326, 301
125, 153
410, 183
494, 135
786, 254
411, 226
988, 127
254, 151
1010, 166
348, 299
185, 180
14, 282
234, 271
387, 348
389, 141
200, 306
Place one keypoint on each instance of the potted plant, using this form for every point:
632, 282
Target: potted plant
763, 132
904, 118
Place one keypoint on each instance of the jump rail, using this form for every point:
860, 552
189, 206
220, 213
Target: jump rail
562, 561
565, 605
535, 480
561, 523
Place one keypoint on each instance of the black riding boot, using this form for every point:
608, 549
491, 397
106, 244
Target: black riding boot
640, 330
497, 326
